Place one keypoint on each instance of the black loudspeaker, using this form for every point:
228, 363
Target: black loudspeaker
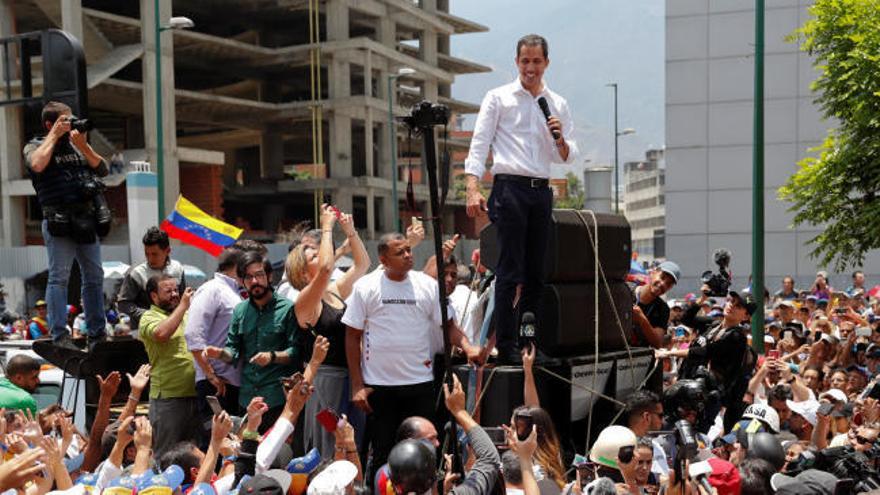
570, 255
566, 321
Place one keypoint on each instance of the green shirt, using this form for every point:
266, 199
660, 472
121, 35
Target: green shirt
254, 330
13, 397
173, 372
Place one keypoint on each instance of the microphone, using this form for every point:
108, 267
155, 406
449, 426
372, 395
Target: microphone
542, 102
699, 471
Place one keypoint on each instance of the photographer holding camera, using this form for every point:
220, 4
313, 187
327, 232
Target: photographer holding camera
723, 352
64, 170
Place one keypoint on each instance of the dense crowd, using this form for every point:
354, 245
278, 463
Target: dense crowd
329, 381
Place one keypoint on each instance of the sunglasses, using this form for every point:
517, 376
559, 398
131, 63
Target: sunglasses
863, 441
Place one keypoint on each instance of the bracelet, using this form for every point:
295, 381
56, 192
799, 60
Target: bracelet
250, 435
272, 356
327, 231
229, 459
136, 399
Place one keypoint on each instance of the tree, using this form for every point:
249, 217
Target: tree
575, 193
838, 189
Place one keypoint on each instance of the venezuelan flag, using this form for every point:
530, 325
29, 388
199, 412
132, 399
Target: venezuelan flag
193, 226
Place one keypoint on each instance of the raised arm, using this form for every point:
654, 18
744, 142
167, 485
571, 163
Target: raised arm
358, 252
308, 303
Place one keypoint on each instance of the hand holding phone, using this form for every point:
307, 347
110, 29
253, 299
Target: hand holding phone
214, 403
523, 423
328, 419
773, 354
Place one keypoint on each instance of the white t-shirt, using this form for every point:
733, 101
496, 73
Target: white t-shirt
465, 310
400, 321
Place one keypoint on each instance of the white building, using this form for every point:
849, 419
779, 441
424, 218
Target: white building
709, 100
645, 204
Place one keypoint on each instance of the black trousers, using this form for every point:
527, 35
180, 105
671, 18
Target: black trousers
391, 405
521, 214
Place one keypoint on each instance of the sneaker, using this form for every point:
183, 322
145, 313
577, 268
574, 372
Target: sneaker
66, 342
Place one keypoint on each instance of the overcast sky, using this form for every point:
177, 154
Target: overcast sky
592, 43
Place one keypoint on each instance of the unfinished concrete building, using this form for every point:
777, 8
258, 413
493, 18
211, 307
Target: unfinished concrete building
269, 106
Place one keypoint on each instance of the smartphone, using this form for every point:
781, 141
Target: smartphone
625, 454
328, 419
336, 212
216, 408
415, 221
523, 423
497, 435
825, 409
773, 354
863, 332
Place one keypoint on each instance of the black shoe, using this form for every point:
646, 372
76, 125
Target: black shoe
95, 341
509, 357
66, 342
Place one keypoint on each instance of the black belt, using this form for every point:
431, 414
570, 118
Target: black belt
533, 182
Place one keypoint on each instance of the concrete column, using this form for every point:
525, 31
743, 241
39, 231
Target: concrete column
169, 115
271, 155
431, 90
340, 146
368, 74
428, 46
371, 213
368, 143
12, 209
387, 32
71, 18
337, 20
387, 213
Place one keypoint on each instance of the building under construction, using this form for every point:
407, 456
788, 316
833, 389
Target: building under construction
268, 106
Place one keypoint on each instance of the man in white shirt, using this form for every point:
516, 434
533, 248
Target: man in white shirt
392, 317
524, 143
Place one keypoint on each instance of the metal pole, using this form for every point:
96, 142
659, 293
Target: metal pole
758, 185
160, 144
392, 131
616, 171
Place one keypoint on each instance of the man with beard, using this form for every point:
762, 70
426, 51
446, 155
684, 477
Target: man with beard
21, 380
651, 312
173, 404
261, 338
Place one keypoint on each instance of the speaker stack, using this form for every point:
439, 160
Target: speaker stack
566, 321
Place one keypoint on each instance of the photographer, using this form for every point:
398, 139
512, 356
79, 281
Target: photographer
64, 170
723, 349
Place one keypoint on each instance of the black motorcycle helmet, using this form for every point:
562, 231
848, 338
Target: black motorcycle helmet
766, 446
412, 466
683, 396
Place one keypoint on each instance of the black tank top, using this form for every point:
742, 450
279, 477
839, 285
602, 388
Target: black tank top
329, 325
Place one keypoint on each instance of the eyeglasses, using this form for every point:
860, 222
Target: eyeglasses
255, 276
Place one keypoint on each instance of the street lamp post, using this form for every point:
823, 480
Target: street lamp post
617, 135
173, 23
403, 71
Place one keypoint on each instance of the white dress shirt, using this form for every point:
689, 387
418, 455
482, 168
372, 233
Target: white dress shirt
511, 121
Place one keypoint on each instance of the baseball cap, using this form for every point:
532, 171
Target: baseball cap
822, 302
835, 394
873, 351
608, 444
822, 273
725, 477
784, 302
806, 409
333, 479
260, 484
813, 297
746, 425
747, 300
163, 483
808, 482
670, 268
39, 303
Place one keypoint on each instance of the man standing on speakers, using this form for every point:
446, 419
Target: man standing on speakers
651, 312
528, 127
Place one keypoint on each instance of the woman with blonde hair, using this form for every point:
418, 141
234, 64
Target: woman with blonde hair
318, 311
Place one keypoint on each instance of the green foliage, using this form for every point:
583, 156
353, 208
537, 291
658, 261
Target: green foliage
575, 198
838, 188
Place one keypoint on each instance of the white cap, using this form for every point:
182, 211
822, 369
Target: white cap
806, 409
836, 394
333, 479
763, 413
608, 444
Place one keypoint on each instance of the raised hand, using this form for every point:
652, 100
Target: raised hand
17, 471
139, 381
109, 385
143, 433
255, 411
319, 350
221, 425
